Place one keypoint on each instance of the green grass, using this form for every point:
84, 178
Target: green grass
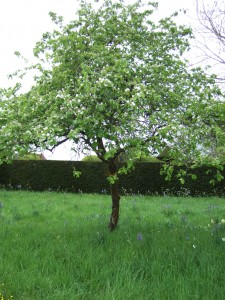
57, 246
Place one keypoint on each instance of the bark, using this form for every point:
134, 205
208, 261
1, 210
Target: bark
114, 218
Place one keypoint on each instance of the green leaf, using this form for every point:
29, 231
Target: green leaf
113, 78
76, 173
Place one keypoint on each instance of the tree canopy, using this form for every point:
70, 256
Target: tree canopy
114, 81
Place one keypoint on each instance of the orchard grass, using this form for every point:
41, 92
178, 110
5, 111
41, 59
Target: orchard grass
57, 246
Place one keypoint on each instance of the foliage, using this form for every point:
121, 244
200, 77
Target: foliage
91, 158
149, 159
145, 179
114, 81
31, 156
76, 173
122, 158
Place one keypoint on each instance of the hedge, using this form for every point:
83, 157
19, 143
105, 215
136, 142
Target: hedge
58, 176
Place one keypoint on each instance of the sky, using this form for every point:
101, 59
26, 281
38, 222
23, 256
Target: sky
22, 23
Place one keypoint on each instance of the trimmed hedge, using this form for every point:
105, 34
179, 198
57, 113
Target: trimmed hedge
58, 176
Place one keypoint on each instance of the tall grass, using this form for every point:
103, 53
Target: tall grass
57, 246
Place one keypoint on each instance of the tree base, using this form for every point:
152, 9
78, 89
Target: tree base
112, 225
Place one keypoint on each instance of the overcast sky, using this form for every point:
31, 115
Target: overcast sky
22, 23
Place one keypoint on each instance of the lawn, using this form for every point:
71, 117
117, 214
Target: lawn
57, 246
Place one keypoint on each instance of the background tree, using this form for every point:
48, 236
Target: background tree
211, 35
114, 81
211, 42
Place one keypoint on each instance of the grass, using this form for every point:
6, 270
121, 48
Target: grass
57, 246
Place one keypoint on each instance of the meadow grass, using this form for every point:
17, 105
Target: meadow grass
57, 246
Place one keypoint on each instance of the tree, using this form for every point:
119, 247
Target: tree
114, 81
211, 35
91, 158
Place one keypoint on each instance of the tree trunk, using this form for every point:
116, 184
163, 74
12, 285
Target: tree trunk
115, 199
115, 207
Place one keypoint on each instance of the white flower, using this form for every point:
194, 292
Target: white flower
223, 221
223, 239
194, 246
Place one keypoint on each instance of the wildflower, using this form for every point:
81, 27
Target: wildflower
194, 246
139, 237
183, 219
223, 221
223, 239
187, 238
